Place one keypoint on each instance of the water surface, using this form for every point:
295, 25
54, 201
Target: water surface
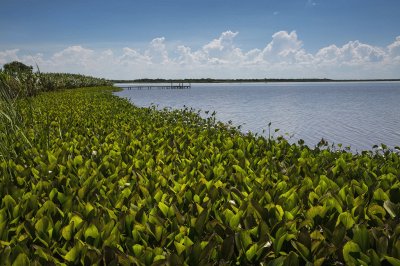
356, 114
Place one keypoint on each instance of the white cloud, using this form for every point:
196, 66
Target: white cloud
157, 51
394, 49
283, 47
75, 55
282, 57
352, 53
8, 56
223, 42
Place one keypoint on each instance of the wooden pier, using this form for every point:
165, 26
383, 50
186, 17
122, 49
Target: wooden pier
156, 86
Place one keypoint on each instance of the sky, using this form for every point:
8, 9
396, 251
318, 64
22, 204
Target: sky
340, 39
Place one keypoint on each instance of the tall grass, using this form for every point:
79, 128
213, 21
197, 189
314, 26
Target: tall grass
9, 117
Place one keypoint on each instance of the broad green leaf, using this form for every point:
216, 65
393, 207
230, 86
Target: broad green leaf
159, 257
78, 160
188, 242
302, 249
9, 202
279, 242
349, 248
361, 237
67, 231
179, 247
52, 159
379, 194
251, 252
164, 208
393, 261
76, 220
346, 219
292, 259
42, 224
316, 210
391, 208
137, 249
91, 231
21, 260
72, 254
235, 219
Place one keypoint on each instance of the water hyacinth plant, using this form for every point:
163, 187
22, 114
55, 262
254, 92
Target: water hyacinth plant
105, 182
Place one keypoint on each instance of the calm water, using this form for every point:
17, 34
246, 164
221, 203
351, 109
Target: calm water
356, 114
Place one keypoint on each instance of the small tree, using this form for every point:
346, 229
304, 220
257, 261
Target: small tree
21, 80
15, 67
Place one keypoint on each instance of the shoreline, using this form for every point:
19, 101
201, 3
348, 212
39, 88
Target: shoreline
145, 81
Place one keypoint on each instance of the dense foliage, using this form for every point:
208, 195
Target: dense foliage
19, 80
106, 182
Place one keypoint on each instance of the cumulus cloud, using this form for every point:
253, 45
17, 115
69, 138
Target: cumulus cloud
285, 48
283, 56
353, 52
74, 55
394, 49
8, 56
157, 51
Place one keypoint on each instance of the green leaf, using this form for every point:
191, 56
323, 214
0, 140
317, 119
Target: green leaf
164, 208
76, 220
67, 231
302, 249
235, 220
339, 234
137, 249
379, 194
200, 222
346, 219
361, 237
179, 247
52, 159
350, 247
316, 210
73, 254
21, 260
251, 252
239, 169
391, 208
279, 242
291, 259
78, 160
188, 242
9, 202
91, 231
393, 261
42, 224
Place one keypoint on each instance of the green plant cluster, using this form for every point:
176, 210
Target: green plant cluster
56, 81
19, 80
107, 182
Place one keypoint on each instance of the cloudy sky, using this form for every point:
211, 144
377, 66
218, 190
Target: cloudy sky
342, 39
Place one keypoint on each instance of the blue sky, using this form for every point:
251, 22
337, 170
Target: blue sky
205, 38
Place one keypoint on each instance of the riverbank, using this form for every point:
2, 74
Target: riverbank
103, 181
266, 80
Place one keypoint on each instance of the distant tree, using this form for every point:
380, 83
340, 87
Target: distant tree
16, 67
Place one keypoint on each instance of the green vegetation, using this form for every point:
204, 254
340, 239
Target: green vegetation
18, 80
106, 182
18, 83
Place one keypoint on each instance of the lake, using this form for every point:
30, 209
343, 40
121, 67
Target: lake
355, 114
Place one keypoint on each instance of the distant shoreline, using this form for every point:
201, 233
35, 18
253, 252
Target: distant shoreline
208, 80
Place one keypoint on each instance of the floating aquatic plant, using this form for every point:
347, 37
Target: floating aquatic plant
107, 182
